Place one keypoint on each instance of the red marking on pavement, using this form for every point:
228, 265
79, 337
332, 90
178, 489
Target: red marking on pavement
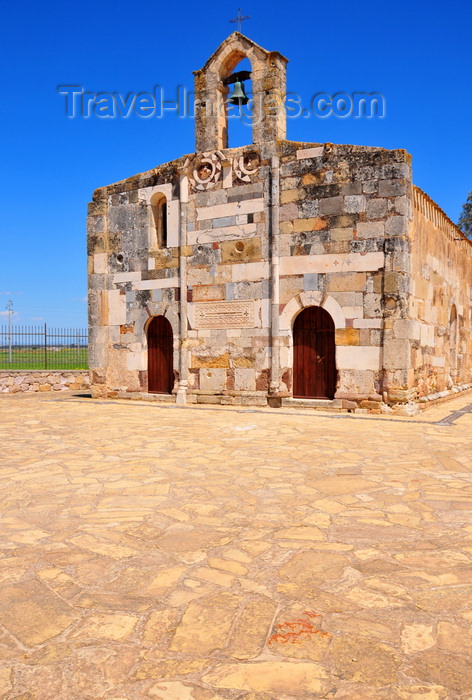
297, 631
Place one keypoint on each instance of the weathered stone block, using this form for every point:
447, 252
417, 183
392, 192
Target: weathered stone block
354, 204
309, 225
351, 188
372, 305
289, 183
407, 328
224, 221
343, 221
287, 196
391, 188
310, 282
347, 336
331, 205
370, 229
342, 234
288, 212
376, 208
358, 357
345, 282
208, 292
397, 353
290, 287
286, 227
390, 285
244, 379
347, 298
309, 208
396, 226
211, 362
212, 379
247, 250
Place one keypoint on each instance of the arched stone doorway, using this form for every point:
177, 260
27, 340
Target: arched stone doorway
314, 354
160, 356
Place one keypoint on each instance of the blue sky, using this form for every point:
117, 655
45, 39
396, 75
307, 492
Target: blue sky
416, 54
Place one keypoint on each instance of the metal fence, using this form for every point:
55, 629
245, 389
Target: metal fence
40, 347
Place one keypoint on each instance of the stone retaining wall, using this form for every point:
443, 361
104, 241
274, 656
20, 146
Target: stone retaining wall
12, 382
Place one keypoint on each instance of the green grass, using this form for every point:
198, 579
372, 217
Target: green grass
36, 358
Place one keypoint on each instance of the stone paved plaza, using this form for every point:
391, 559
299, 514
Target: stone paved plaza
193, 553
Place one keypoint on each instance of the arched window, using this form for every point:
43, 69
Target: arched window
159, 218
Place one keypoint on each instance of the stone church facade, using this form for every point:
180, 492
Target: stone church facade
276, 273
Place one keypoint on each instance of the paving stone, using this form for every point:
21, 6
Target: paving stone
299, 533
5, 680
359, 625
421, 692
297, 634
231, 567
176, 690
454, 639
417, 637
252, 628
114, 627
364, 661
165, 580
311, 567
453, 672
454, 598
33, 614
295, 680
206, 624
159, 627
274, 556
167, 668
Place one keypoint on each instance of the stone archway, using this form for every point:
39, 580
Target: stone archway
287, 319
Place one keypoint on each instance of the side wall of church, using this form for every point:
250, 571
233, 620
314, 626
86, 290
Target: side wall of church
440, 301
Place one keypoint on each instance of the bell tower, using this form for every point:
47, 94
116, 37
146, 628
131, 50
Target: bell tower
268, 73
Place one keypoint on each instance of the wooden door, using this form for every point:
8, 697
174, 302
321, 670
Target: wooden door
314, 354
160, 356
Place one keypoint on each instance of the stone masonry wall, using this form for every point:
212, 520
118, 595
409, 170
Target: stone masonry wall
318, 224
228, 282
12, 382
440, 301
129, 279
225, 254
343, 245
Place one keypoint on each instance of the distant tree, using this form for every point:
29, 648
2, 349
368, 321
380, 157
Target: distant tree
465, 219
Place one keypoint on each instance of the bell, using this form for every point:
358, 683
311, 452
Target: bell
239, 96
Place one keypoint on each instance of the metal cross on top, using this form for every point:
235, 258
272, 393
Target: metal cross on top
239, 19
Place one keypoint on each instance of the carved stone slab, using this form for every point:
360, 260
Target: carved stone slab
224, 314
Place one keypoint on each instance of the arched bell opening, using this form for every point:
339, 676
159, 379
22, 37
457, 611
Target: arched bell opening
239, 104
